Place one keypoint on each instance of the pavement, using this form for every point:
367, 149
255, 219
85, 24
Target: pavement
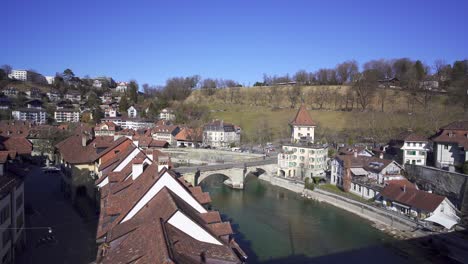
72, 239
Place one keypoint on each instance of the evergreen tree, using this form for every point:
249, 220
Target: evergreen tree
123, 105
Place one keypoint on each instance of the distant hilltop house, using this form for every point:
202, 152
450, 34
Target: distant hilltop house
97, 83
27, 76
221, 134
10, 92
105, 129
389, 82
167, 114
33, 93
50, 79
122, 87
53, 95
73, 96
132, 112
451, 145
302, 158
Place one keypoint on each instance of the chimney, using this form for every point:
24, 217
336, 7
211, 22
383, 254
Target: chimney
84, 140
355, 154
137, 168
381, 155
404, 188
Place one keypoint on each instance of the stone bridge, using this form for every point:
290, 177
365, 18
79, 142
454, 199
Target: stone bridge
233, 174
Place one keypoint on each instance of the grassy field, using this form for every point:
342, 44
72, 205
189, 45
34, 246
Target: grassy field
333, 125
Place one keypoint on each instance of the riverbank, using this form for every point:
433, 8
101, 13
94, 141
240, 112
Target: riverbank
387, 222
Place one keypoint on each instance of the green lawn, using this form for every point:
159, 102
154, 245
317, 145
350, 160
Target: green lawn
333, 189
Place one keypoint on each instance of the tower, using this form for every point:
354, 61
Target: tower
302, 127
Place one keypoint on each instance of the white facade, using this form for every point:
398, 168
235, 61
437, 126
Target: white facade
67, 116
449, 155
302, 161
97, 84
220, 134
167, 114
132, 112
121, 87
24, 75
302, 133
38, 116
50, 79
74, 97
415, 152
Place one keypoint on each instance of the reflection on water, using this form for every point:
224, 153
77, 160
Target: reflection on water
273, 223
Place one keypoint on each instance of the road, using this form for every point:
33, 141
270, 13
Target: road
46, 206
270, 160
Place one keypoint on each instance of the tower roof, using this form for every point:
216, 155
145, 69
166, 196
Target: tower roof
302, 118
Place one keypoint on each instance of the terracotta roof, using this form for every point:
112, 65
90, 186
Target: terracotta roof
411, 136
351, 150
20, 145
172, 129
401, 183
189, 134
457, 136
74, 152
3, 157
412, 197
110, 126
302, 118
373, 164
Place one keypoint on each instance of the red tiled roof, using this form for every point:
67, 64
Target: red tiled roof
457, 125
302, 118
74, 152
457, 136
20, 145
412, 197
189, 134
411, 136
401, 183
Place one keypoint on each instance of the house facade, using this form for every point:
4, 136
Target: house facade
167, 114
221, 134
166, 133
67, 115
132, 112
302, 127
451, 145
409, 147
38, 116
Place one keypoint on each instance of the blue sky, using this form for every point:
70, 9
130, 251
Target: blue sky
150, 40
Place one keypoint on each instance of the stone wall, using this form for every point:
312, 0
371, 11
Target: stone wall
450, 184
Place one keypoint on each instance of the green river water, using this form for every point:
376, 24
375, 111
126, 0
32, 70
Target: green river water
274, 225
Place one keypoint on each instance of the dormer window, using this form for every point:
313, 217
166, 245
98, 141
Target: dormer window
450, 134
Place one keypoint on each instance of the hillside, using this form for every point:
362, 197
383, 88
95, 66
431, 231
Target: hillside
255, 111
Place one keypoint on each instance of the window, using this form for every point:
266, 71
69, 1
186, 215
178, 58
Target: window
359, 188
4, 214
302, 150
308, 129
19, 201
445, 146
422, 153
367, 191
411, 152
311, 152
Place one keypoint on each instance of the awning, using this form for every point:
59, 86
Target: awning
359, 171
443, 220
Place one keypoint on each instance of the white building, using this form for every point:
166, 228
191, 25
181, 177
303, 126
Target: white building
451, 145
302, 162
122, 87
167, 114
302, 159
105, 129
12, 213
166, 133
53, 96
129, 123
73, 96
221, 134
24, 75
132, 112
67, 115
409, 147
97, 84
50, 79
302, 127
38, 116
110, 112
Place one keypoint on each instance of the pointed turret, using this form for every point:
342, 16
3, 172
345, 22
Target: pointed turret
302, 127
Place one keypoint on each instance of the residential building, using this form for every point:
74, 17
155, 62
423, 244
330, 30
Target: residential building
409, 147
149, 143
419, 204
221, 134
166, 133
12, 214
53, 95
189, 137
132, 112
110, 112
362, 175
165, 212
129, 123
451, 145
105, 129
37, 116
97, 84
10, 92
122, 87
302, 159
300, 162
50, 79
34, 104
27, 76
33, 93
167, 114
73, 96
67, 115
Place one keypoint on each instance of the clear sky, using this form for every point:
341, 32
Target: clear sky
151, 40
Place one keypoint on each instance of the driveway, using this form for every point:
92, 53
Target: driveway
45, 206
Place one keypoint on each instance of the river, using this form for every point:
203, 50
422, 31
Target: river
274, 225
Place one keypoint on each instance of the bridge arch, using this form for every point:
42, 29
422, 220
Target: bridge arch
210, 174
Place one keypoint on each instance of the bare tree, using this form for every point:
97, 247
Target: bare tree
255, 95
7, 68
301, 77
294, 95
365, 88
